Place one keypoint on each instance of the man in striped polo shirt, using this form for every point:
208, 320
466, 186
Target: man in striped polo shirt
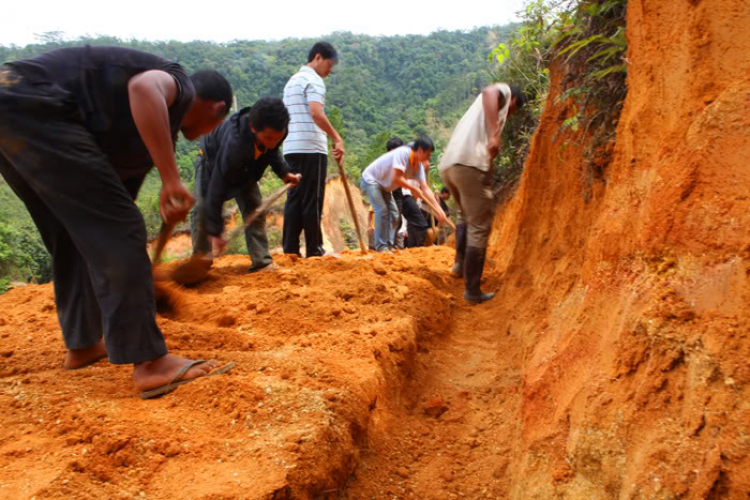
306, 150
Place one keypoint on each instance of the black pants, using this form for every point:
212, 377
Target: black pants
428, 219
416, 225
304, 204
398, 240
248, 200
88, 221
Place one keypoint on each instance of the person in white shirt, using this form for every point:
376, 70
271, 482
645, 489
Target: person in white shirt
391, 171
306, 150
466, 168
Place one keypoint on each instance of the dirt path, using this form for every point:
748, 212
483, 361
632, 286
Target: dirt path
356, 378
332, 354
453, 430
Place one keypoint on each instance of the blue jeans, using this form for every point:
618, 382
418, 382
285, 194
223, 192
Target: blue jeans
386, 214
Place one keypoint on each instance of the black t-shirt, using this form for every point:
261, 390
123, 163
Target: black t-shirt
95, 81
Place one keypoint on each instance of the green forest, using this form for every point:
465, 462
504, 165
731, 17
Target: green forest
382, 86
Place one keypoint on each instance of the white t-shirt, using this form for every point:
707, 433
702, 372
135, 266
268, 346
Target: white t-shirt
468, 144
381, 170
407, 192
305, 136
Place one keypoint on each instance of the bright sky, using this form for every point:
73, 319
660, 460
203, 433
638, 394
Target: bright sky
225, 20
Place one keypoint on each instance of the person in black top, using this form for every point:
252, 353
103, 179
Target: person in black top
443, 230
398, 196
229, 165
79, 130
443, 197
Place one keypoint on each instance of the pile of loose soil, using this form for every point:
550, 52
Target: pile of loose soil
318, 344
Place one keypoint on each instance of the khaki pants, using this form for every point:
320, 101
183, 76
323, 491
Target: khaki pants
472, 191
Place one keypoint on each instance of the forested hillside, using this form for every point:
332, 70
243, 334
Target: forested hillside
401, 85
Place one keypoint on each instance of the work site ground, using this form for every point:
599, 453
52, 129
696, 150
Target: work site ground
356, 377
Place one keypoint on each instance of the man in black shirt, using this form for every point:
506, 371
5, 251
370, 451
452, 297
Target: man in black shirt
416, 224
443, 230
398, 196
232, 160
79, 130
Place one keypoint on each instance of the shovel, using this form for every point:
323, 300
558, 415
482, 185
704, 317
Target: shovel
349, 199
164, 234
435, 210
197, 267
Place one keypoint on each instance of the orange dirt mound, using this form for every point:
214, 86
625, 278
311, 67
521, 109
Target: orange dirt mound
317, 344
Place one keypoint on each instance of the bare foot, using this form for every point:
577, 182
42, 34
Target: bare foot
161, 371
80, 358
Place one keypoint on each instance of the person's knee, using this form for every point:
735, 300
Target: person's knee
378, 208
124, 273
477, 237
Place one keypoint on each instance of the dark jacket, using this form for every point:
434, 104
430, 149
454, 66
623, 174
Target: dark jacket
229, 165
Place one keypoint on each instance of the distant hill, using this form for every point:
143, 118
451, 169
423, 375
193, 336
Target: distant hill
407, 84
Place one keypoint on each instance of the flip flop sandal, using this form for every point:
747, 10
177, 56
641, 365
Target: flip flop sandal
176, 382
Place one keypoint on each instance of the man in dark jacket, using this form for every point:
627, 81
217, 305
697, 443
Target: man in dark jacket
79, 130
232, 160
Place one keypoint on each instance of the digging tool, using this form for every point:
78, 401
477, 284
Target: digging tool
435, 211
197, 267
349, 199
164, 234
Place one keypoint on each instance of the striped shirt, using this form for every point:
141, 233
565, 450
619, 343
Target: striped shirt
305, 136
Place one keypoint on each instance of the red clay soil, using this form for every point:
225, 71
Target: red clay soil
319, 344
614, 362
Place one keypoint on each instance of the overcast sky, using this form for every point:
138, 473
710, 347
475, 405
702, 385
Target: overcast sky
225, 20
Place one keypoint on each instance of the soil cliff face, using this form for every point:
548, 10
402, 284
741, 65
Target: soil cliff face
629, 292
336, 209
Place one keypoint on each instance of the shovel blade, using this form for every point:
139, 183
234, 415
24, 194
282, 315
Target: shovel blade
193, 271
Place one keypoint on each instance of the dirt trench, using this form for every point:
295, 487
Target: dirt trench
453, 430
333, 357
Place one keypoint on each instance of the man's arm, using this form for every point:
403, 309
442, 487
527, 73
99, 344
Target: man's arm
398, 179
151, 93
321, 120
427, 194
282, 170
431, 201
492, 101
